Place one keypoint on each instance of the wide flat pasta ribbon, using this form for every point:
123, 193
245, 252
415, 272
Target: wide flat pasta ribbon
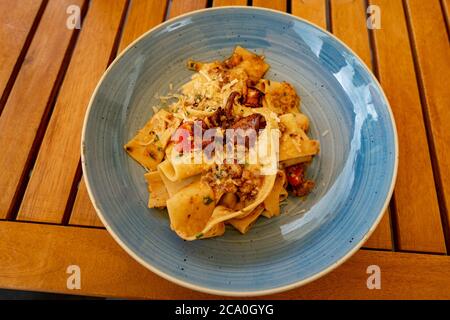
295, 145
147, 147
157, 190
244, 224
193, 213
272, 201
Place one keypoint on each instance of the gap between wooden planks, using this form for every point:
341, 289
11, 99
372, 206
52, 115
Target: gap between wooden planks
431, 50
23, 23
418, 221
84, 214
23, 119
348, 23
58, 159
36, 257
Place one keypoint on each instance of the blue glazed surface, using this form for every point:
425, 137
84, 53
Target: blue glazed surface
354, 172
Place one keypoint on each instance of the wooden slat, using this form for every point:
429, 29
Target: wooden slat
36, 262
57, 163
348, 23
17, 22
181, 6
280, 5
28, 102
311, 10
143, 15
417, 212
433, 56
83, 212
220, 3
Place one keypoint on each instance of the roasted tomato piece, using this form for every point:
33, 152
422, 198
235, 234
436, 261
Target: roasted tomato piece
296, 178
295, 175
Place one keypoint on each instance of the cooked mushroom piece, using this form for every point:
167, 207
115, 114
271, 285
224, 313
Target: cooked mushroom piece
253, 98
230, 104
254, 122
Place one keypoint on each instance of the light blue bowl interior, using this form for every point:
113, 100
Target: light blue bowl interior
348, 113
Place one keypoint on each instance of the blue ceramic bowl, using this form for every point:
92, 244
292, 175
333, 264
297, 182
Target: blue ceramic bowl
354, 173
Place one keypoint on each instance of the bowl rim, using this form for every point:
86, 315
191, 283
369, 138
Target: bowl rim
231, 293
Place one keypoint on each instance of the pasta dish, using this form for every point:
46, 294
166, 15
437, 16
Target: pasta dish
226, 148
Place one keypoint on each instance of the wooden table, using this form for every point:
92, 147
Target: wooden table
48, 73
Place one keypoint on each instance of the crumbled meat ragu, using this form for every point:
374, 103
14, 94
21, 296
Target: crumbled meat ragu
233, 178
303, 189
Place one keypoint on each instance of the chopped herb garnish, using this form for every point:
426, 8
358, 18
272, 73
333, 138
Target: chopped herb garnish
207, 200
199, 235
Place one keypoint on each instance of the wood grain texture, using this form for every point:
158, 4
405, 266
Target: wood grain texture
311, 10
83, 212
432, 50
446, 12
142, 16
348, 23
179, 7
417, 213
17, 22
57, 163
35, 263
28, 102
221, 3
280, 5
